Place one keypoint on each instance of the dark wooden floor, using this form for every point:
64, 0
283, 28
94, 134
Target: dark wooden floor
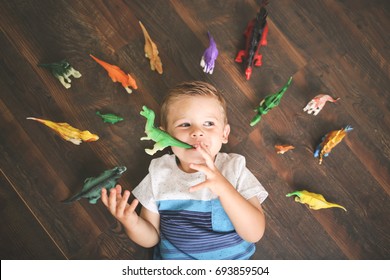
338, 47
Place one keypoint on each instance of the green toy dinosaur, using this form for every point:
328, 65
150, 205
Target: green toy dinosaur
62, 71
109, 118
269, 102
159, 136
92, 188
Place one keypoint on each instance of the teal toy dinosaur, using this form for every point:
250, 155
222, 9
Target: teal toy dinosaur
62, 71
159, 136
269, 102
109, 118
92, 189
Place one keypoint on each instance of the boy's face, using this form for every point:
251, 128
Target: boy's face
195, 120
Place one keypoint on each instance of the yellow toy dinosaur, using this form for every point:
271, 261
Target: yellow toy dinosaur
313, 200
151, 52
68, 132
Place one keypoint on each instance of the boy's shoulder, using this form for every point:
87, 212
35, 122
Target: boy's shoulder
165, 160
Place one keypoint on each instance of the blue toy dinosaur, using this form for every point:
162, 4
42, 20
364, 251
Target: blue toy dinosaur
92, 188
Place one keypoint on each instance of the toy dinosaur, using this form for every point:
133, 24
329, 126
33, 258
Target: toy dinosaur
269, 102
209, 56
313, 200
317, 103
329, 141
109, 118
62, 71
281, 149
256, 36
159, 136
151, 51
117, 75
92, 189
68, 132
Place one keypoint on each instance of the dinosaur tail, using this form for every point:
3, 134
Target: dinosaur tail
36, 119
102, 63
70, 199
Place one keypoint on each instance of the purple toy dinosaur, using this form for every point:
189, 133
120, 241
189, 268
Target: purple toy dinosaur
209, 56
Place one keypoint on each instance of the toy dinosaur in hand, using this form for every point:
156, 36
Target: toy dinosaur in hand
209, 56
159, 136
317, 103
109, 118
151, 51
92, 189
117, 75
62, 71
68, 132
256, 36
271, 101
313, 200
329, 141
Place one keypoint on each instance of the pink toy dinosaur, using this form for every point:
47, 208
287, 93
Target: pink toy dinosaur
117, 75
317, 103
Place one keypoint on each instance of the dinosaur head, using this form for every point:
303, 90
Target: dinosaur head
87, 136
120, 170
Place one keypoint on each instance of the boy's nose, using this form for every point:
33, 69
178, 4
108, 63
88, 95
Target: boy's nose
197, 133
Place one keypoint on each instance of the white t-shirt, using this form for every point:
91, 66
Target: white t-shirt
194, 225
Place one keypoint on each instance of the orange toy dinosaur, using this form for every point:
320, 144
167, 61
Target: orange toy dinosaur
117, 75
151, 52
281, 149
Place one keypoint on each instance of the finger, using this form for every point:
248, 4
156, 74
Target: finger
112, 201
197, 187
123, 202
132, 206
205, 153
104, 197
201, 168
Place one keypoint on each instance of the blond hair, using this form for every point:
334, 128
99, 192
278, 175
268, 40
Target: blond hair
195, 88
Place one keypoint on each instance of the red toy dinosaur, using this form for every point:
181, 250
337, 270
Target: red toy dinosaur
117, 75
256, 36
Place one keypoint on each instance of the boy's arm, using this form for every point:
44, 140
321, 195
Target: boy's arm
142, 229
246, 216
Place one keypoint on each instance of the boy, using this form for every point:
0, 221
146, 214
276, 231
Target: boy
197, 203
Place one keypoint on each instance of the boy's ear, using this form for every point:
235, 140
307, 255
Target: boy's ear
160, 127
226, 132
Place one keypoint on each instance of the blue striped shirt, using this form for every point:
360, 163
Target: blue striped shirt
195, 225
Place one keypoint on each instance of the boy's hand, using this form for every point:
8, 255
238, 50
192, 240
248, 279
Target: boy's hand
118, 206
215, 181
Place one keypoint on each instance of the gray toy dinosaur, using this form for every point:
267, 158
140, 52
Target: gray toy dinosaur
159, 136
93, 186
62, 71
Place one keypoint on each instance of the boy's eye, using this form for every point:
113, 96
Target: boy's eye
208, 123
184, 125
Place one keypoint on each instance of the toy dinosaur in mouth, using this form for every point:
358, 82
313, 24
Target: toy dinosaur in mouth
92, 189
162, 138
